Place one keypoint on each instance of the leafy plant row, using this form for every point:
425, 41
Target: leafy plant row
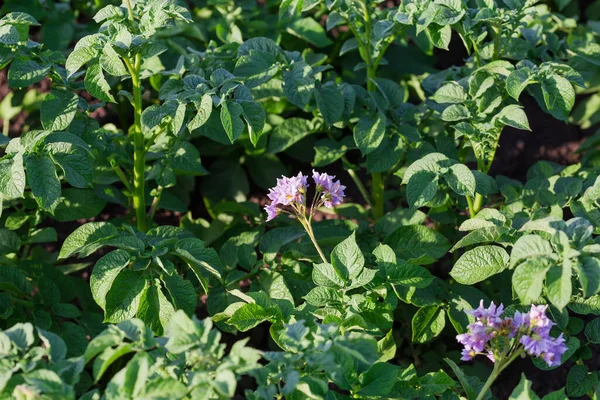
360, 298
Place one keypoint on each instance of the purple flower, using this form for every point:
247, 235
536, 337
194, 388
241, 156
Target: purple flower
289, 190
536, 343
272, 211
333, 191
555, 351
468, 355
488, 316
531, 329
538, 318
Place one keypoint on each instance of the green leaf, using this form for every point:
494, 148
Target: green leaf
592, 331
155, 309
58, 110
461, 180
43, 181
288, 133
327, 275
559, 96
517, 81
464, 380
108, 357
427, 323
487, 234
111, 62
12, 279
436, 383
105, 273
369, 132
248, 316
276, 238
78, 204
87, 238
513, 115
79, 57
455, 112
55, 346
310, 30
199, 257
12, 176
21, 334
330, 102
556, 395
589, 275
299, 83
75, 162
96, 84
479, 263
203, 113
45, 381
184, 159
421, 188
384, 157
347, 258
583, 306
182, 293
523, 391
24, 72
136, 375
580, 381
558, 285
528, 279
123, 297
379, 380
231, 119
323, 296
254, 115
418, 244
450, 93
529, 246
430, 162
9, 35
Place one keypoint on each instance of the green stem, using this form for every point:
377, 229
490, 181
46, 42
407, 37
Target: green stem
129, 9
123, 178
489, 382
378, 193
377, 181
155, 202
499, 366
478, 203
139, 154
472, 211
6, 127
361, 187
307, 226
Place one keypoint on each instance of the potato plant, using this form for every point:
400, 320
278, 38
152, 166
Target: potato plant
297, 199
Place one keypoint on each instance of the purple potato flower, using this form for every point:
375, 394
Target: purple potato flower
531, 329
292, 192
289, 190
332, 191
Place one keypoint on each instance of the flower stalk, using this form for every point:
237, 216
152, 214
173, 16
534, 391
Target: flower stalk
289, 197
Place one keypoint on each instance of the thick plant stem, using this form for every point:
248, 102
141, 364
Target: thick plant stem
377, 179
472, 211
489, 382
139, 155
499, 366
